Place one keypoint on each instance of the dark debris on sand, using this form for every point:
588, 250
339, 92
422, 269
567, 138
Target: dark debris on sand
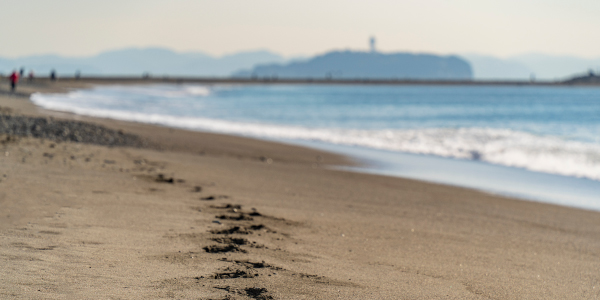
230, 274
214, 197
224, 248
251, 292
257, 293
232, 230
67, 131
165, 179
237, 217
229, 240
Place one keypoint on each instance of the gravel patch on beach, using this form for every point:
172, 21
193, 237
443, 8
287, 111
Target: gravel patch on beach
67, 131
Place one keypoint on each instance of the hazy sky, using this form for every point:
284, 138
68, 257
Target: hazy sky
306, 27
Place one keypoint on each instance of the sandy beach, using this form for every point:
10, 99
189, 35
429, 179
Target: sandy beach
196, 215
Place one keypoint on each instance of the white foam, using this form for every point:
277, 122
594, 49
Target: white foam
497, 146
157, 90
197, 90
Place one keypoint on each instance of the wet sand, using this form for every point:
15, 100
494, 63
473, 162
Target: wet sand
206, 216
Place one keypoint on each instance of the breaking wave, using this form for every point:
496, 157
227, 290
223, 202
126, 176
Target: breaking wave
506, 147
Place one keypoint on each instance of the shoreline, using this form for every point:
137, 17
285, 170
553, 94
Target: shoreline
133, 223
506, 181
514, 182
575, 81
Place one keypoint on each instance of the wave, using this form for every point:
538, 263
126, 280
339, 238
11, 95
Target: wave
497, 146
155, 90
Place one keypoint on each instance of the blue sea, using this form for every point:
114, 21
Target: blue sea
533, 143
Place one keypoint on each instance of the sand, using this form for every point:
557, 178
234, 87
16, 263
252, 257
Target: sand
208, 216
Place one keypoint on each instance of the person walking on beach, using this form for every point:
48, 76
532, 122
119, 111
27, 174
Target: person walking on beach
14, 79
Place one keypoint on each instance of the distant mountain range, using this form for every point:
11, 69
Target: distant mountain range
133, 61
335, 64
524, 67
373, 65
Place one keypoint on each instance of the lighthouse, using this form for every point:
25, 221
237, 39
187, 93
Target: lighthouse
372, 44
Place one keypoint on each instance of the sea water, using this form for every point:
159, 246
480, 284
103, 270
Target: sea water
537, 143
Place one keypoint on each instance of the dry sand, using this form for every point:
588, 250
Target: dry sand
208, 216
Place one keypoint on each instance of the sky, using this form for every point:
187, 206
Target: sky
301, 28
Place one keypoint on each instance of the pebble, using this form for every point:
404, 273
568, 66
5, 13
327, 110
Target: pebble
66, 130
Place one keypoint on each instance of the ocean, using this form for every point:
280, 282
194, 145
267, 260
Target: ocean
529, 142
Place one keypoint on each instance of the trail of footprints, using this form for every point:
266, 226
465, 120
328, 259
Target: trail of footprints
235, 224
233, 238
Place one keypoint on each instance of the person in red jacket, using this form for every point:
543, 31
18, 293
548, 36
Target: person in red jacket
14, 79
